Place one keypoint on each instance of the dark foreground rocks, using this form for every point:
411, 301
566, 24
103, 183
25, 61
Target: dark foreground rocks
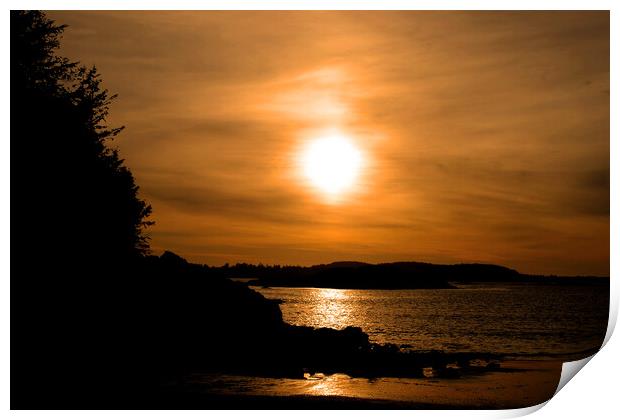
112, 337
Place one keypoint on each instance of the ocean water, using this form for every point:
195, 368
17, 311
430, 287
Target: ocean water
535, 327
508, 319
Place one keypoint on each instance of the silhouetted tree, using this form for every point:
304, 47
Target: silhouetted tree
71, 183
77, 223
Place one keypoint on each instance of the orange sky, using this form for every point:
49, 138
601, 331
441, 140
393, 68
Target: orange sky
485, 135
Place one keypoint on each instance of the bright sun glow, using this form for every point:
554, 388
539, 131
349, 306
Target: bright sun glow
332, 164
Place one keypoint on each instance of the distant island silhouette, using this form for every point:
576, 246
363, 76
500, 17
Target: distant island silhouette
397, 275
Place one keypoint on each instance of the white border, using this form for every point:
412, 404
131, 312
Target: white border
593, 394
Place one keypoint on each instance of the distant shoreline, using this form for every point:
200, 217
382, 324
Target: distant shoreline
604, 282
392, 276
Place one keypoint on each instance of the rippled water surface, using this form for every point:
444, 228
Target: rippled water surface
510, 319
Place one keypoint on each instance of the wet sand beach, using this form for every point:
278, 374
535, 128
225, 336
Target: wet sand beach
518, 383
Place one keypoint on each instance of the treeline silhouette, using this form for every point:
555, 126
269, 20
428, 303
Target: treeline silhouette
71, 186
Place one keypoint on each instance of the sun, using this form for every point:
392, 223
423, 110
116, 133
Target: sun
332, 164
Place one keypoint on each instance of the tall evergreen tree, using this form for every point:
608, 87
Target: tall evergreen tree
81, 197
77, 225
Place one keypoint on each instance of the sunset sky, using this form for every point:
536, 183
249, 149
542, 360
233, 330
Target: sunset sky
481, 137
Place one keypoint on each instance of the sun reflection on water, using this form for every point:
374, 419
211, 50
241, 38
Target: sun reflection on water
332, 308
